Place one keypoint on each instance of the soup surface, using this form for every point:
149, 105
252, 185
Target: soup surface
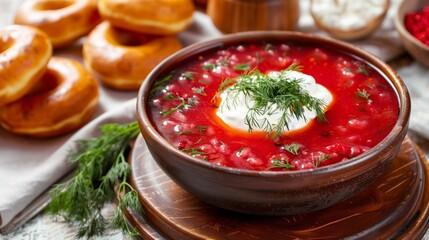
363, 109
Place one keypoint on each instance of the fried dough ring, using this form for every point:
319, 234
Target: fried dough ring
64, 100
24, 54
64, 21
122, 59
160, 17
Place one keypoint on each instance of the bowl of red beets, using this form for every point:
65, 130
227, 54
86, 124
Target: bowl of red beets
412, 24
273, 123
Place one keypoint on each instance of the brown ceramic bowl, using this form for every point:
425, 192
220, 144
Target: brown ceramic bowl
269, 192
416, 48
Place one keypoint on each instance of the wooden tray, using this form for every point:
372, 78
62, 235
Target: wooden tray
396, 206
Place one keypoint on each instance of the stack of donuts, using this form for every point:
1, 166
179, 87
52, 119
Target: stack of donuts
42, 95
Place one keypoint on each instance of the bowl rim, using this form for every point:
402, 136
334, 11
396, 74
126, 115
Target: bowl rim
400, 26
350, 166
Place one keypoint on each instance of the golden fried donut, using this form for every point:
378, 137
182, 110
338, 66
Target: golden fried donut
24, 54
122, 59
148, 16
64, 100
64, 21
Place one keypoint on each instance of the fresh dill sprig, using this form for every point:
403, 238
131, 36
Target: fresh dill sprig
292, 148
184, 104
159, 83
101, 165
242, 66
364, 95
270, 94
209, 66
322, 158
199, 90
281, 164
188, 75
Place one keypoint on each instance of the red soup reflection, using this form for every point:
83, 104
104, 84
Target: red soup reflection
358, 107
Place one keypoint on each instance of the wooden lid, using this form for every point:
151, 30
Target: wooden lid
393, 207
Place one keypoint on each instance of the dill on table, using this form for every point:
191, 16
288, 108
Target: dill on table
101, 167
270, 94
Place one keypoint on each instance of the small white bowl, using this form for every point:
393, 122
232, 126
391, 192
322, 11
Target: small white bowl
416, 48
353, 33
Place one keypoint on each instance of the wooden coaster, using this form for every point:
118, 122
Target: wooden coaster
396, 206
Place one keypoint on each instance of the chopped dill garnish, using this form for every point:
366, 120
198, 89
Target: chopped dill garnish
209, 66
347, 70
199, 90
158, 85
363, 94
292, 148
193, 151
188, 75
224, 62
281, 164
200, 130
170, 96
270, 94
322, 158
363, 70
184, 104
242, 66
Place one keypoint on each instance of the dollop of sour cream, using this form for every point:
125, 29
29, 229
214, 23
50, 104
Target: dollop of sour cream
234, 115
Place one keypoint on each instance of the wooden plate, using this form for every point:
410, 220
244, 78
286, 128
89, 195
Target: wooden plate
396, 206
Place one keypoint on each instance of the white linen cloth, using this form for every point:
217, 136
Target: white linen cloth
30, 166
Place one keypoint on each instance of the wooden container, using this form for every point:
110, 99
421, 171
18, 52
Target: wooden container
245, 15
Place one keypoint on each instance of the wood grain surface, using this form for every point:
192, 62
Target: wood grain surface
394, 207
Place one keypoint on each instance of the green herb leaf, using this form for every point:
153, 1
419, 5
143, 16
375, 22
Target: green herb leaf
363, 70
101, 164
281, 164
193, 151
200, 130
209, 66
184, 104
199, 90
188, 75
158, 85
363, 94
242, 66
224, 61
322, 158
292, 148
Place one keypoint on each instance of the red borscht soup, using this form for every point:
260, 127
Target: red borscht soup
185, 104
